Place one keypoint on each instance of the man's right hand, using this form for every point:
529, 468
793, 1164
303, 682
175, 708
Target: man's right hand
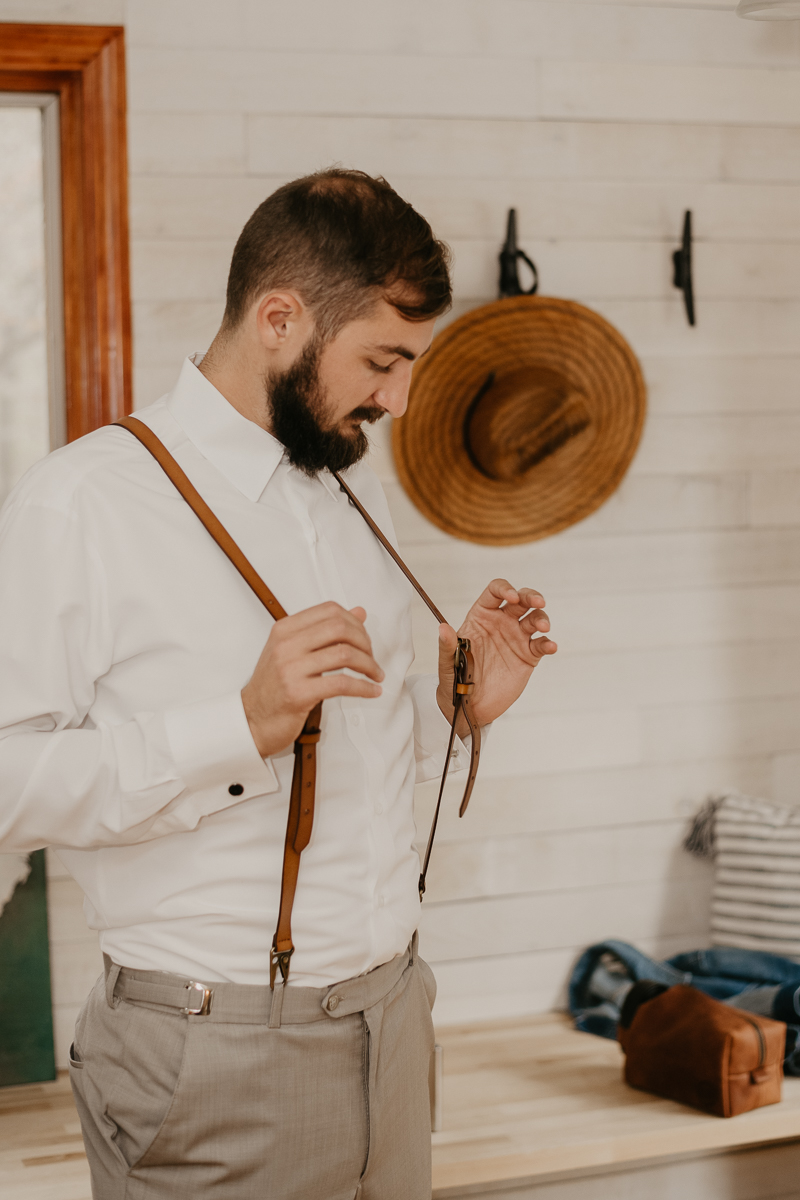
290, 676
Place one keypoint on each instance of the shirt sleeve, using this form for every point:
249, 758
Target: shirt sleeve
64, 779
432, 731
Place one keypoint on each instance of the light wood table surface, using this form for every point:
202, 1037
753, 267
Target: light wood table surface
534, 1100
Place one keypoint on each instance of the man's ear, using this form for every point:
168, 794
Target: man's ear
281, 320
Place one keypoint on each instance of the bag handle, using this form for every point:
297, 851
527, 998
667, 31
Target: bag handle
300, 820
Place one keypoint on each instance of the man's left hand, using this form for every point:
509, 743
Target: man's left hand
502, 626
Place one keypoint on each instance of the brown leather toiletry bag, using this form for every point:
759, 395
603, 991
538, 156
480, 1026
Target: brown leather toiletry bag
682, 1044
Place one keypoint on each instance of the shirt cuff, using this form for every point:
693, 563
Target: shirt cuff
214, 752
432, 731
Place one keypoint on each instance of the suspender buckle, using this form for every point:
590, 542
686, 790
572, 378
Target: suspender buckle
462, 681
202, 1002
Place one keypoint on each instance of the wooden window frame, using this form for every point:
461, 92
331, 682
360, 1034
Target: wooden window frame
85, 66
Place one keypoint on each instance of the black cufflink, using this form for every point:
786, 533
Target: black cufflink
236, 789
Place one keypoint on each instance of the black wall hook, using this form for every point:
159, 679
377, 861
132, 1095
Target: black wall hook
682, 261
509, 255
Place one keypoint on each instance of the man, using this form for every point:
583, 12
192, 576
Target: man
149, 706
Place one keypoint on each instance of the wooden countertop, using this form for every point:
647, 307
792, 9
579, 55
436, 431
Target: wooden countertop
531, 1100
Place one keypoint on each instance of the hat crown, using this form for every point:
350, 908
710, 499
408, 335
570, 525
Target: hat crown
519, 419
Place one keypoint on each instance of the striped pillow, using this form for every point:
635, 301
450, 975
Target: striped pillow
756, 852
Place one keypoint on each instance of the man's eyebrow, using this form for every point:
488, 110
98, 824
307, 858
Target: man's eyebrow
401, 352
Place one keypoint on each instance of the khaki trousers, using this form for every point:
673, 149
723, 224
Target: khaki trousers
296, 1094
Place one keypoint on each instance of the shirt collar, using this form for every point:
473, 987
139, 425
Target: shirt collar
245, 453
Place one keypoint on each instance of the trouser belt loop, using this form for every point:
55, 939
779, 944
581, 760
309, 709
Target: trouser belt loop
112, 975
277, 1005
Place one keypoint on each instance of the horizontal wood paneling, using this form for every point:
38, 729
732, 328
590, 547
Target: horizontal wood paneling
679, 617
512, 150
655, 91
610, 565
640, 676
568, 741
775, 498
78, 12
524, 924
484, 985
535, 864
177, 143
457, 28
221, 80
724, 383
726, 443
588, 800
688, 730
644, 503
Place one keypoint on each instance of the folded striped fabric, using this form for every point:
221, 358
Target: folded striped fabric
756, 851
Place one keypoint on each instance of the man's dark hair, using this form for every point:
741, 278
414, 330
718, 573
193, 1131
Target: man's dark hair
342, 239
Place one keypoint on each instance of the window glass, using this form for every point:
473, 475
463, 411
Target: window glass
24, 404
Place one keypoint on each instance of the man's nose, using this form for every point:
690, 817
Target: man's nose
393, 393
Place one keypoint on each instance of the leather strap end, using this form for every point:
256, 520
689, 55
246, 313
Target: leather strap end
475, 754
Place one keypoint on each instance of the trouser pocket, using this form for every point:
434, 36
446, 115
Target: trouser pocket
125, 1064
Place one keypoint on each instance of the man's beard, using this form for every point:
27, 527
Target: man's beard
297, 410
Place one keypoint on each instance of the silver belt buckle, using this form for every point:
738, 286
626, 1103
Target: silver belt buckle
202, 1000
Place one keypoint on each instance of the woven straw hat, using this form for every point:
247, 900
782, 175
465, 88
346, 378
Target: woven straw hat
522, 420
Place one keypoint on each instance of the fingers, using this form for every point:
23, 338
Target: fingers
337, 658
292, 639
448, 639
343, 685
500, 592
535, 622
318, 613
497, 593
540, 647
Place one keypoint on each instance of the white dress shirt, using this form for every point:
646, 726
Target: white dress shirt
126, 637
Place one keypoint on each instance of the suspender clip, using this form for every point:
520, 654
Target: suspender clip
279, 961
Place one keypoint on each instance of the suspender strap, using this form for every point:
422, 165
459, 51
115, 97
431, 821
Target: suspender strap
301, 804
199, 507
463, 683
300, 821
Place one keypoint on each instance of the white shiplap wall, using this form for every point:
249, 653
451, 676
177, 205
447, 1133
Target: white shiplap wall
676, 605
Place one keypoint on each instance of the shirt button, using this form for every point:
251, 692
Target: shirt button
236, 789
356, 719
333, 1003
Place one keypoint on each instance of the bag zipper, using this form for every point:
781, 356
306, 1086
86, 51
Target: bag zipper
762, 1041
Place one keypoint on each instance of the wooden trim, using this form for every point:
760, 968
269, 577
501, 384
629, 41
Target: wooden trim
85, 65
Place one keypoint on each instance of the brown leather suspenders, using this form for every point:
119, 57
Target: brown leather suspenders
301, 803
